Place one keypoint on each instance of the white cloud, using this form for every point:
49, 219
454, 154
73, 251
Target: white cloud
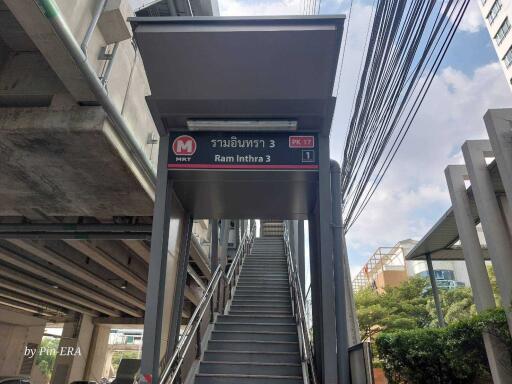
413, 194
260, 8
472, 21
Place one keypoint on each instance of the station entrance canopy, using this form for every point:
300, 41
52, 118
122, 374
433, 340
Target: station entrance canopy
232, 95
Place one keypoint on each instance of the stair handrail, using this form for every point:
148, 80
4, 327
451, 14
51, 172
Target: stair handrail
299, 309
172, 368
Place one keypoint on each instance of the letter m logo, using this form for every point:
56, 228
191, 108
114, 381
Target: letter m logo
184, 145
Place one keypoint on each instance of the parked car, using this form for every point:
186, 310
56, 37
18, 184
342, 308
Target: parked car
14, 380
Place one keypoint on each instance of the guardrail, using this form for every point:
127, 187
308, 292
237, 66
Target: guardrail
220, 282
299, 312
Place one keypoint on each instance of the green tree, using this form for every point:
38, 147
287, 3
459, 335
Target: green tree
402, 307
457, 304
45, 361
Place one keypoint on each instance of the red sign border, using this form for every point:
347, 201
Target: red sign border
300, 136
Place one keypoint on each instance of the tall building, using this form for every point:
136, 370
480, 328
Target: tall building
497, 15
388, 268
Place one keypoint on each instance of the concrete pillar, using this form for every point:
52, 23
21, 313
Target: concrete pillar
482, 290
497, 354
17, 333
497, 236
98, 351
499, 129
73, 350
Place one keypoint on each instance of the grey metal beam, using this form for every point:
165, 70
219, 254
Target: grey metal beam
48, 255
12, 274
214, 250
36, 269
435, 291
328, 337
301, 256
223, 242
108, 262
181, 280
316, 293
155, 295
339, 277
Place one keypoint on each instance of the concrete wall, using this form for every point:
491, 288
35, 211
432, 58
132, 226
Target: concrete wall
16, 331
46, 79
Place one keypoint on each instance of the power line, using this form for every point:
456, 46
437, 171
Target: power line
407, 43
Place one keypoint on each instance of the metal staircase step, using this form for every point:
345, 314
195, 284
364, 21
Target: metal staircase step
248, 368
262, 301
254, 294
253, 357
281, 319
207, 378
253, 345
259, 307
254, 335
256, 327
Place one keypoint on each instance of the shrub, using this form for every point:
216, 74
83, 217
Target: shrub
451, 355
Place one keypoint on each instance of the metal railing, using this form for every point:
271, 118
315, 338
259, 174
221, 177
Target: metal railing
299, 312
171, 371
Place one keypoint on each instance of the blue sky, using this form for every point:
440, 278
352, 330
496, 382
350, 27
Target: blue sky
413, 195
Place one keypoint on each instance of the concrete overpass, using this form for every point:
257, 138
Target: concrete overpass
78, 149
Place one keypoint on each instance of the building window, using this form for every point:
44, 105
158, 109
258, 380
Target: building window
495, 9
508, 57
502, 32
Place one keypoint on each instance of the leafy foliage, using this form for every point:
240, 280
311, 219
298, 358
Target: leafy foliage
451, 355
402, 307
45, 361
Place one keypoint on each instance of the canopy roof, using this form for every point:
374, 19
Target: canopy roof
242, 68
440, 241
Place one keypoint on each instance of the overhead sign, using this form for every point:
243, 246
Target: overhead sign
243, 151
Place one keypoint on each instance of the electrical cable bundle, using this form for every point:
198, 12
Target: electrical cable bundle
311, 7
408, 41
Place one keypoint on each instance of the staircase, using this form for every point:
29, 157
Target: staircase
257, 342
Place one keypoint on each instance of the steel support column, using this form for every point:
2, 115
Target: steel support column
339, 277
301, 255
435, 291
325, 270
214, 245
155, 294
181, 281
224, 239
316, 289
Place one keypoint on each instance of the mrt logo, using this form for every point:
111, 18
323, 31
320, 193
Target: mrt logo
184, 145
